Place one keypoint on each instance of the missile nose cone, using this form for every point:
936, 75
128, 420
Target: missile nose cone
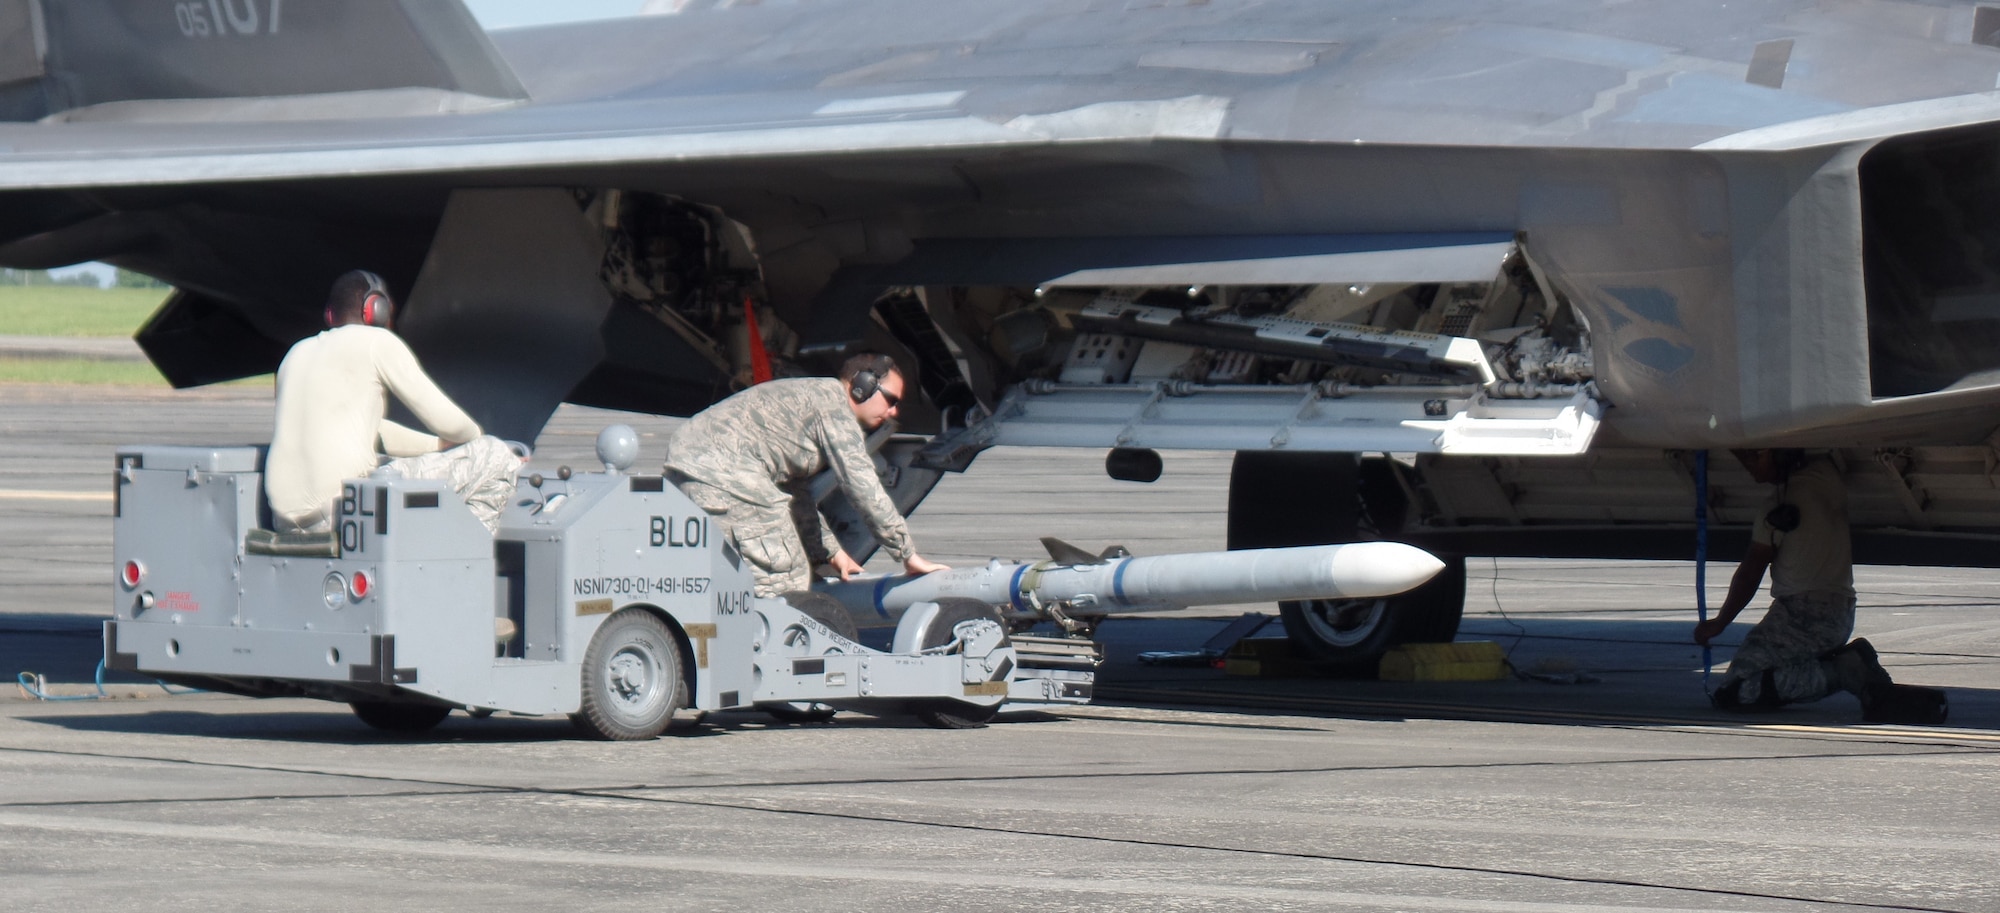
1368, 569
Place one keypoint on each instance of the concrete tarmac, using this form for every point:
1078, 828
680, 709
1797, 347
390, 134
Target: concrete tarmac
1183, 789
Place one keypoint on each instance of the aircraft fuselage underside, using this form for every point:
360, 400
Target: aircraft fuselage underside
1462, 361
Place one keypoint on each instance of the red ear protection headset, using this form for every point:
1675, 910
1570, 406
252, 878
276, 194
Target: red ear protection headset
377, 308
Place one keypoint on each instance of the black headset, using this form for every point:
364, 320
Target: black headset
377, 308
868, 381
1785, 516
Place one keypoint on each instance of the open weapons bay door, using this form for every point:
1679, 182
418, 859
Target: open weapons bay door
1402, 344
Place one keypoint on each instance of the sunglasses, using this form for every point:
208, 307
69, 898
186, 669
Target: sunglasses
890, 398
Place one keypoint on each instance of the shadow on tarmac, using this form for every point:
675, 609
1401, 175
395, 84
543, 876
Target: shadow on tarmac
64, 648
337, 726
1633, 671
1598, 670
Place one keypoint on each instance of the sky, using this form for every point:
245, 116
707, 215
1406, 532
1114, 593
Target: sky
507, 14
493, 14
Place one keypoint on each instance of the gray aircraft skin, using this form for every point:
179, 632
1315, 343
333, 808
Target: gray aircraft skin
1718, 224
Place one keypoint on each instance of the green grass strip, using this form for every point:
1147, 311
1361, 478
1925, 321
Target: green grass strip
79, 371
54, 310
92, 372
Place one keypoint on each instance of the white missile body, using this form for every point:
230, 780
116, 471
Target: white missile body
1360, 570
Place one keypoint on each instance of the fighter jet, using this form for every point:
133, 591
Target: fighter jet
1479, 277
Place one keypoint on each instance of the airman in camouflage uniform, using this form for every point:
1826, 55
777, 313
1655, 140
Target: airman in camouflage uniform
749, 460
1799, 652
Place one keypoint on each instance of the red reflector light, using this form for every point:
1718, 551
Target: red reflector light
359, 584
132, 574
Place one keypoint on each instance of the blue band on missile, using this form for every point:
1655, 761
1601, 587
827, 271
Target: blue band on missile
882, 590
1014, 589
1118, 580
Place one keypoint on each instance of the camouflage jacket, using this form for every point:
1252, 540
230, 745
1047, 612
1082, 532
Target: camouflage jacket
764, 445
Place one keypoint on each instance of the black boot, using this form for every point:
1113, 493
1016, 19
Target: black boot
1859, 671
1730, 696
1856, 670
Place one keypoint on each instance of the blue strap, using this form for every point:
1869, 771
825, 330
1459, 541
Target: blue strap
1014, 589
882, 589
1701, 556
32, 685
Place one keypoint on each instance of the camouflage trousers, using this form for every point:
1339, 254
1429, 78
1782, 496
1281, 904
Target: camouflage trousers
481, 471
765, 536
1789, 645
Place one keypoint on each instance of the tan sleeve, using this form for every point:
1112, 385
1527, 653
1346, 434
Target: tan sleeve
406, 379
847, 454
398, 441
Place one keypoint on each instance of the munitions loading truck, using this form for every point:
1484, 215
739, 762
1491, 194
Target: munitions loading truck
606, 596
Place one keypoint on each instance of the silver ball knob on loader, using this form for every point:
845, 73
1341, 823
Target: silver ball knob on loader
618, 447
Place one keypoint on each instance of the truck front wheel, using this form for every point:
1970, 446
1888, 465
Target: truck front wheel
631, 678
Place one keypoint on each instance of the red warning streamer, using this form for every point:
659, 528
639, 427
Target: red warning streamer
760, 359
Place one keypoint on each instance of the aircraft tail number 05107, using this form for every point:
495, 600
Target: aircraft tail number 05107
223, 18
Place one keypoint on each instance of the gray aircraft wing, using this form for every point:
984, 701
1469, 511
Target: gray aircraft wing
1711, 187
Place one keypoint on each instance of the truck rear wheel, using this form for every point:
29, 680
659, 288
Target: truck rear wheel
631, 678
827, 611
400, 716
944, 713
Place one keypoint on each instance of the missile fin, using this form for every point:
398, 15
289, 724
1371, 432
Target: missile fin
1064, 553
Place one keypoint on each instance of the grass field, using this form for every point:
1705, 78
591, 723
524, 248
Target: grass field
55, 310
78, 371
92, 371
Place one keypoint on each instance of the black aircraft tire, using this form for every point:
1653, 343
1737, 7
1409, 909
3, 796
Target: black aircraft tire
944, 713
1441, 604
1346, 638
400, 716
827, 611
631, 678
1279, 499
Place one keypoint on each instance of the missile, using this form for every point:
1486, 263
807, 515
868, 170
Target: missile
1075, 583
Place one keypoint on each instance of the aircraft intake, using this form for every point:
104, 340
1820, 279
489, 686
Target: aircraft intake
1075, 584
